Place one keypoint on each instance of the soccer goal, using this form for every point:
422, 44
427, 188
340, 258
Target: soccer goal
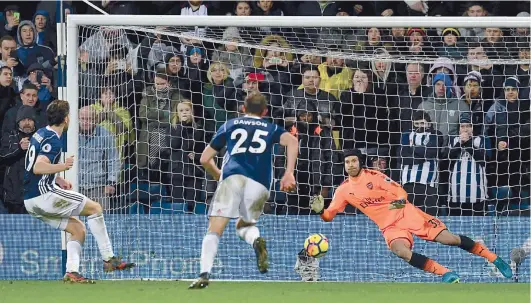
148, 92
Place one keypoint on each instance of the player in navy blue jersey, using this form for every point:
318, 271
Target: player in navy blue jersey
48, 196
244, 180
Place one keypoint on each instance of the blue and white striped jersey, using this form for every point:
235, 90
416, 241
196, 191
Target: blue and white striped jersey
419, 157
45, 142
468, 177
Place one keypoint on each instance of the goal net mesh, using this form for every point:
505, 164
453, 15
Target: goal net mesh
442, 111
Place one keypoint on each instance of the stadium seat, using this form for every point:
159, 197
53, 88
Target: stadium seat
136, 208
167, 208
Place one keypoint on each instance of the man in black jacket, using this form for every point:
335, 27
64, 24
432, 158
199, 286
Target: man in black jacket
12, 153
28, 96
314, 164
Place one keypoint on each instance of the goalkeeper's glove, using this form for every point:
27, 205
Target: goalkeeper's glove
317, 204
397, 204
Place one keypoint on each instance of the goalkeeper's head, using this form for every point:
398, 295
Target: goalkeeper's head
255, 105
355, 160
58, 114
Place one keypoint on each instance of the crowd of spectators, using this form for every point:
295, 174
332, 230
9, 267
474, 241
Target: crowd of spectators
450, 120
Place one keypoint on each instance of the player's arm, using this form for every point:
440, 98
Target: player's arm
207, 160
397, 194
337, 205
287, 183
43, 165
292, 146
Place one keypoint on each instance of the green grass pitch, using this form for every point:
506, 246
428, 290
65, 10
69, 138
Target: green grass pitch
254, 292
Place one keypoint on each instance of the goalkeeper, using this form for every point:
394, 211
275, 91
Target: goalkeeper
385, 203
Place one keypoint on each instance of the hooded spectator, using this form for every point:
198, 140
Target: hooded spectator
443, 108
46, 34
13, 149
445, 65
29, 52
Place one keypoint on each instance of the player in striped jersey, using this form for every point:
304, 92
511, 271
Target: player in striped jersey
468, 178
47, 196
419, 157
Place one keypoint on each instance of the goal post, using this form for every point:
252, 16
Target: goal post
166, 243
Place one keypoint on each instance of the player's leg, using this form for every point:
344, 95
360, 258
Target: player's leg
254, 198
77, 232
250, 234
94, 213
400, 243
224, 206
209, 249
476, 248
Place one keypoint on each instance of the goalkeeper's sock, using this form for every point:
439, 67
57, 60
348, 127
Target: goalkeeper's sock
73, 255
97, 227
476, 248
209, 251
422, 262
249, 234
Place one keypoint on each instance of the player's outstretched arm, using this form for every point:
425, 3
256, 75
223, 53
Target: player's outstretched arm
290, 142
207, 160
43, 166
338, 204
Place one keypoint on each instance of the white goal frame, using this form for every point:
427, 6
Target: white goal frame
73, 21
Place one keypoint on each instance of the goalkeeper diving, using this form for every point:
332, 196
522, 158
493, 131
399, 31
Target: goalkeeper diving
385, 202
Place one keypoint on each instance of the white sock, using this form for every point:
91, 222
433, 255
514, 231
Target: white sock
97, 227
73, 256
248, 234
209, 251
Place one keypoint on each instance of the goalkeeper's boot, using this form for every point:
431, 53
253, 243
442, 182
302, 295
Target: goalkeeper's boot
75, 277
450, 277
503, 267
260, 249
116, 263
201, 282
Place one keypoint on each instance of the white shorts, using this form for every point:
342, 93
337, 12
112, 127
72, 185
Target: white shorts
56, 206
238, 196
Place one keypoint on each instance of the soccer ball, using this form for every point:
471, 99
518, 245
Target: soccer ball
316, 245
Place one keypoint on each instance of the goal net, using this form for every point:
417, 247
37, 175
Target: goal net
440, 107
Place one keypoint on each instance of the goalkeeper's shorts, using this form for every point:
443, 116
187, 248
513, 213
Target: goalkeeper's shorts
415, 222
56, 206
